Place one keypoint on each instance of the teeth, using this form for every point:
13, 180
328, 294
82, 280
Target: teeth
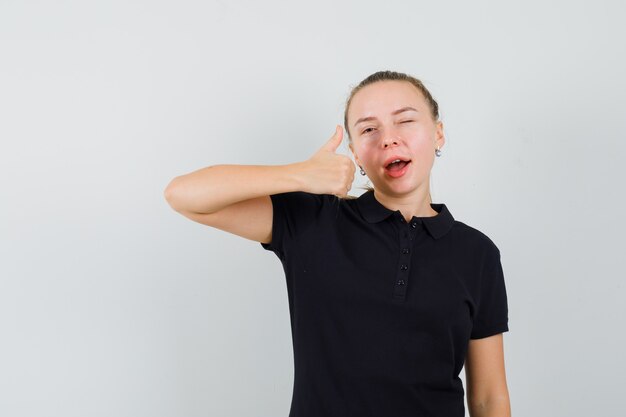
397, 160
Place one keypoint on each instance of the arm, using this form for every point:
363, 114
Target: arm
236, 198
213, 188
233, 198
487, 392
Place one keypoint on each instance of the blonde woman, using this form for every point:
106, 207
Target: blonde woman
389, 295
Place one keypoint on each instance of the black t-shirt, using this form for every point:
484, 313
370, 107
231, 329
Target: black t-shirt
382, 310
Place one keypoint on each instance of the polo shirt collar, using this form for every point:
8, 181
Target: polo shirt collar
373, 212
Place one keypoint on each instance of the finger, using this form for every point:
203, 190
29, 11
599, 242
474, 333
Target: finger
335, 140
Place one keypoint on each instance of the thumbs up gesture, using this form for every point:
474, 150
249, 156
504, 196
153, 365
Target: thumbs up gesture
327, 172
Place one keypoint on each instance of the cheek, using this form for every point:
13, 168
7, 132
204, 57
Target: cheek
424, 150
365, 152
424, 164
423, 145
424, 154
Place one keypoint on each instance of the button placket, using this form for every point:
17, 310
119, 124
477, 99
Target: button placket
404, 262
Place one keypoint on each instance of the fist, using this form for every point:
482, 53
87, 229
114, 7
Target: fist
327, 172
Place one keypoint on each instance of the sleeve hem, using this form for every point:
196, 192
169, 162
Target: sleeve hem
276, 230
489, 331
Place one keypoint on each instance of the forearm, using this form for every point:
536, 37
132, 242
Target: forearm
212, 188
496, 407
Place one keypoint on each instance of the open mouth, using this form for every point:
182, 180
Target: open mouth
397, 165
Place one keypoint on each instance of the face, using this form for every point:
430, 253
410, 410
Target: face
410, 135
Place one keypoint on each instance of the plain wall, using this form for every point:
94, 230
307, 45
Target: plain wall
113, 304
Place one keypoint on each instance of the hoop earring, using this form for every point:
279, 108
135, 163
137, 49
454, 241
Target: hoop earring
362, 172
437, 151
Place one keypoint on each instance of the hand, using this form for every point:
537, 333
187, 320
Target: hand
327, 172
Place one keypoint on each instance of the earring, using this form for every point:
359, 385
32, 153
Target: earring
362, 172
437, 151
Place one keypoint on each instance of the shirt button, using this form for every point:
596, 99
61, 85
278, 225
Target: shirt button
405, 250
400, 282
404, 267
413, 225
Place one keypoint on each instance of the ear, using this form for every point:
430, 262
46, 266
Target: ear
440, 139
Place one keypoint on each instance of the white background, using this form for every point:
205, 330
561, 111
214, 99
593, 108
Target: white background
113, 304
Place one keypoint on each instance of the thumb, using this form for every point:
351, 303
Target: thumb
335, 140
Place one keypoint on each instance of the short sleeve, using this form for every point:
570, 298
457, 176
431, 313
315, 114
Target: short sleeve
294, 213
492, 311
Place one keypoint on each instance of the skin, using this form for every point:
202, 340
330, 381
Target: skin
485, 375
411, 134
416, 135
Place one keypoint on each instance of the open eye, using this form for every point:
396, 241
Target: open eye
366, 130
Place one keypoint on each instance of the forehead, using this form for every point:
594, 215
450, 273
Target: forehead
382, 97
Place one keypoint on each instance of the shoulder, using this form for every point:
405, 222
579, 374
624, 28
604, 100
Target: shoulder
321, 200
474, 238
479, 250
304, 206
303, 197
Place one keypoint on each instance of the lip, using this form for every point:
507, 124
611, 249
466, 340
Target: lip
397, 174
393, 158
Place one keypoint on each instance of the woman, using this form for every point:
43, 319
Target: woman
389, 295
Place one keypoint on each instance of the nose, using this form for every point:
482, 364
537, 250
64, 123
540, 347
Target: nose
387, 141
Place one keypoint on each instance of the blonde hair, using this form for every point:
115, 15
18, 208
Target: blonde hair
390, 76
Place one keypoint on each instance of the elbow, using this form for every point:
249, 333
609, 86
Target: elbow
169, 193
497, 405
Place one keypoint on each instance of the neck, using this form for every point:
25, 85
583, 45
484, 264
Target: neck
415, 203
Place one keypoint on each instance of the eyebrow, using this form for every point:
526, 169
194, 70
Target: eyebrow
366, 119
